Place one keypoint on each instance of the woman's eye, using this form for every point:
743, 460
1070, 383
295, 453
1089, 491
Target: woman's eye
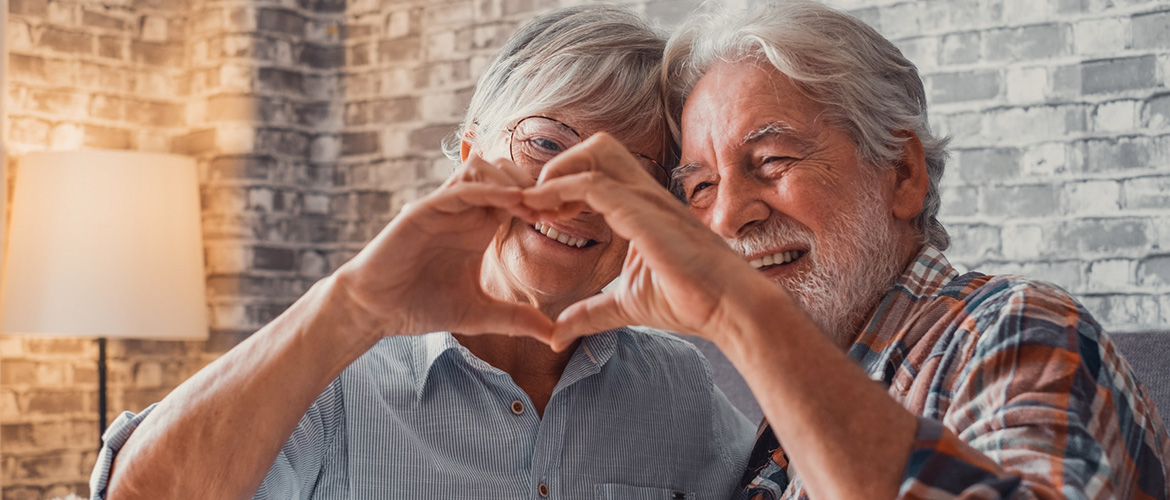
545, 144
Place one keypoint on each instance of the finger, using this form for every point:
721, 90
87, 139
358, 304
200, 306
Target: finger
466, 196
518, 176
513, 319
477, 169
565, 197
627, 209
601, 152
552, 195
596, 314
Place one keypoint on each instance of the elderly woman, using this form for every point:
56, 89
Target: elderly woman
420, 369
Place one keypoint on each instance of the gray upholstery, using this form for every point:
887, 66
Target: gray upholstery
1147, 352
728, 379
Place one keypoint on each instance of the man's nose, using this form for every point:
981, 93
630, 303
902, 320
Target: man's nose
739, 205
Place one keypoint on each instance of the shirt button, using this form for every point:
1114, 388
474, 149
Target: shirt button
518, 408
543, 490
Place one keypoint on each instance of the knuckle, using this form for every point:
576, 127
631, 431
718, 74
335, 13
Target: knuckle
603, 137
411, 206
599, 179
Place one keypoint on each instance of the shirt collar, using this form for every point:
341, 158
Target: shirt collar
591, 355
918, 285
427, 350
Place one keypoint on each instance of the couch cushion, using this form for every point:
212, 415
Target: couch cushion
1149, 354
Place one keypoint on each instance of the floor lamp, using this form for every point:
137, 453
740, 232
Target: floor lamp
105, 244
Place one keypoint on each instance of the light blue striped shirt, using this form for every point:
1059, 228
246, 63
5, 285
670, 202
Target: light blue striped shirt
634, 416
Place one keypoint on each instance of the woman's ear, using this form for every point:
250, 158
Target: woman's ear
465, 145
912, 178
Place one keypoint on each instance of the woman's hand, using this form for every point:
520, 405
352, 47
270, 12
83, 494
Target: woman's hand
422, 272
677, 276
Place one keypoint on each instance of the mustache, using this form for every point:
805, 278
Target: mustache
773, 232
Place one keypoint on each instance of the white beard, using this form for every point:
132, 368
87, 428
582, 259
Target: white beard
854, 265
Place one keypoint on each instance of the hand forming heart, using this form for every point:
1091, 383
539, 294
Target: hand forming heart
422, 272
678, 275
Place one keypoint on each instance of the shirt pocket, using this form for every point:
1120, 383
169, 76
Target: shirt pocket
614, 491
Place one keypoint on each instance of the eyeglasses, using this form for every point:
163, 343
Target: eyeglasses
537, 139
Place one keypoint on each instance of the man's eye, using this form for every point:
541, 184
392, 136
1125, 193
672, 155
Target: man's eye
698, 189
774, 159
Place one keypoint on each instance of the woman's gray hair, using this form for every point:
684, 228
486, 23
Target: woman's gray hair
599, 62
868, 87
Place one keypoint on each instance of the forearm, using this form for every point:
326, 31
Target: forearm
217, 434
841, 430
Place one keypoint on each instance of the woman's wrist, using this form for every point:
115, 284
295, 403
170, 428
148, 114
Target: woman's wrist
339, 309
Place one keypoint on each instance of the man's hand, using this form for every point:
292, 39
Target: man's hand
422, 272
677, 276
680, 276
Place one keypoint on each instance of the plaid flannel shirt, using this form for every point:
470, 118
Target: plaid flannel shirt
1019, 393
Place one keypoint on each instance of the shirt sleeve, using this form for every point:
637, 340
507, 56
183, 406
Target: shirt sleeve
112, 441
317, 440
1042, 406
317, 444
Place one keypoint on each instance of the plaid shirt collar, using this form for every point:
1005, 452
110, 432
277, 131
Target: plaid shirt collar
884, 334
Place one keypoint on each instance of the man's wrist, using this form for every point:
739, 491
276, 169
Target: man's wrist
763, 318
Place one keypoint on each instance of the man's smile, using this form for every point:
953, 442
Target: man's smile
775, 259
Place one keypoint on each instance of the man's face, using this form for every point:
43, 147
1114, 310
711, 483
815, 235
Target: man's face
763, 168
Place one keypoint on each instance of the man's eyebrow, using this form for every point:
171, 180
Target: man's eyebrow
776, 129
682, 171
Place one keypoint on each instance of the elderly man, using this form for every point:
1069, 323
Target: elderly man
806, 149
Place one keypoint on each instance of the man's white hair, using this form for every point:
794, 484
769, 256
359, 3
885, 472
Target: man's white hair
869, 88
599, 62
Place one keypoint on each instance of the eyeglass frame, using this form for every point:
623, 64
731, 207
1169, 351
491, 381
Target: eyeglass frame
512, 137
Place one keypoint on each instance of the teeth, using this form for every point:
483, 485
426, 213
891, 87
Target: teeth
776, 258
563, 238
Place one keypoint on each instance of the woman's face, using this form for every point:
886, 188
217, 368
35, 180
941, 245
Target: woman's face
556, 261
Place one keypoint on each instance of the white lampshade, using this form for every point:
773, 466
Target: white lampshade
105, 244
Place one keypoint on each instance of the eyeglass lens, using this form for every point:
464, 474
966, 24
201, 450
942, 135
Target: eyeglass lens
537, 139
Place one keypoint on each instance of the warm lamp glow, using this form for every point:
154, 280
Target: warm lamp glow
105, 244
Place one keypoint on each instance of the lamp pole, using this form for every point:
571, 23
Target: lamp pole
101, 342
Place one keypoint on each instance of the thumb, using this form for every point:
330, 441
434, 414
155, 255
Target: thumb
513, 319
596, 314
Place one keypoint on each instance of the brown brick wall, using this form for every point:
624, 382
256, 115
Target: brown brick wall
314, 121
85, 74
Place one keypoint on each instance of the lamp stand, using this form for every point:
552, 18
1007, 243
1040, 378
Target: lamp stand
101, 341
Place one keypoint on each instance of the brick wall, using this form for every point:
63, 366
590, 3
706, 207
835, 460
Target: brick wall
1059, 112
314, 121
83, 75
1060, 117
